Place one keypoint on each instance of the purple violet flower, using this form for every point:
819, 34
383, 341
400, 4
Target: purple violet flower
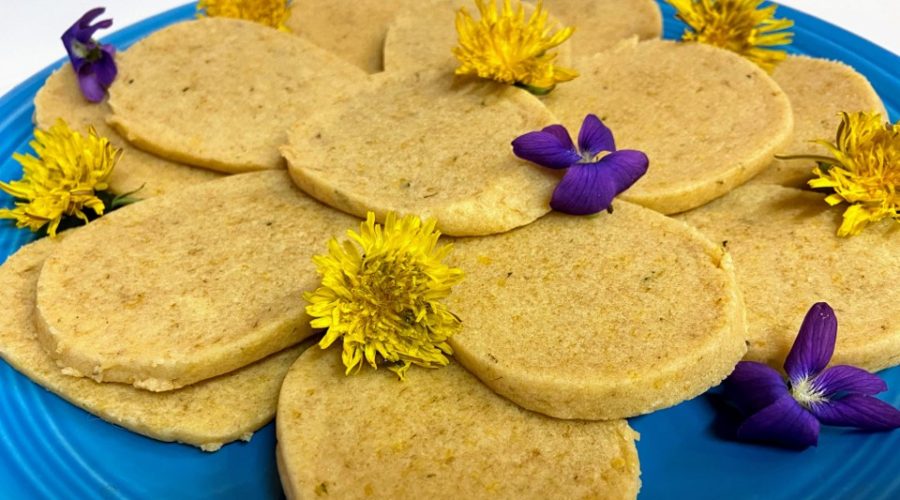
790, 413
93, 63
590, 183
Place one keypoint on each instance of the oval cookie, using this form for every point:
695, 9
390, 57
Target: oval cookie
819, 90
600, 24
60, 97
597, 318
208, 414
221, 93
423, 144
184, 287
787, 257
354, 30
708, 119
423, 34
440, 434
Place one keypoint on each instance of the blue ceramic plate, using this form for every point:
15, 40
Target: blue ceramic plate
51, 449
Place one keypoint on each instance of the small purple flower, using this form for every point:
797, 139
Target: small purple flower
93, 63
590, 184
790, 413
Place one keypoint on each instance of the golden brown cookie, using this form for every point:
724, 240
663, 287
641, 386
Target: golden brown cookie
221, 93
208, 414
180, 288
819, 91
420, 143
600, 24
787, 258
440, 434
600, 317
354, 30
708, 119
60, 97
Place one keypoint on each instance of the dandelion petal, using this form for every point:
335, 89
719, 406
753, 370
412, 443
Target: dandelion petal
590, 187
753, 386
550, 147
848, 380
784, 422
863, 412
814, 346
595, 137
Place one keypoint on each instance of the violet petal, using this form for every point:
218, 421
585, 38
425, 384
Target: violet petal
583, 190
783, 422
561, 134
90, 86
863, 412
82, 27
594, 137
814, 345
841, 380
753, 386
82, 31
105, 69
546, 148
589, 188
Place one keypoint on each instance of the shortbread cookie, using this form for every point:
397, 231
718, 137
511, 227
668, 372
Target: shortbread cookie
599, 317
183, 287
354, 30
440, 434
207, 414
819, 91
787, 258
423, 144
60, 97
423, 34
221, 93
600, 24
708, 119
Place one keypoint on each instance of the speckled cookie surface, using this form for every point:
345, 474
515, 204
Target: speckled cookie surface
423, 144
597, 318
708, 119
221, 93
819, 90
183, 287
352, 29
440, 434
600, 24
423, 34
60, 97
207, 414
787, 258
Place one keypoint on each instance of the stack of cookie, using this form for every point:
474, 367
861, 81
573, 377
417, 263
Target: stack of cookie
179, 316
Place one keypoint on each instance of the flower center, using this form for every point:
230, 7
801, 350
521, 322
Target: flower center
587, 157
806, 393
389, 290
90, 51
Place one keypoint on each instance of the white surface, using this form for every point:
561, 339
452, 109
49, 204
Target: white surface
31, 31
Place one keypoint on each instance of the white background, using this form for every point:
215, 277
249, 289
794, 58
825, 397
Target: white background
31, 28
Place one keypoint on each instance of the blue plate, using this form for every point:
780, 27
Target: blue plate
51, 449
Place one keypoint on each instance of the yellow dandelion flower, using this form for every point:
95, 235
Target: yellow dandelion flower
274, 13
505, 47
381, 292
740, 26
63, 180
864, 170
